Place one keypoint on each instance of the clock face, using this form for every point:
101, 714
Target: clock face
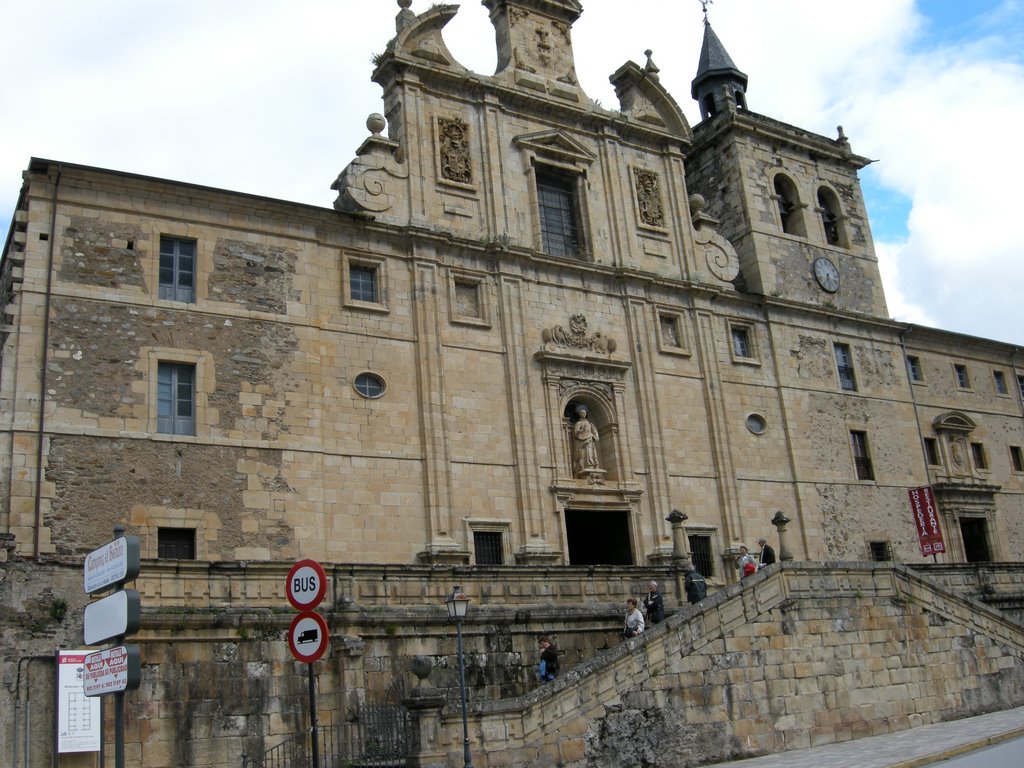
827, 275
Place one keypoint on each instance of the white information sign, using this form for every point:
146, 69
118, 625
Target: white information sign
115, 615
112, 564
78, 722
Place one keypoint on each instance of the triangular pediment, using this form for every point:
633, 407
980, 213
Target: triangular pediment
555, 145
953, 421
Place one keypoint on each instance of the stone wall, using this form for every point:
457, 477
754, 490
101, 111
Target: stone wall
218, 678
797, 655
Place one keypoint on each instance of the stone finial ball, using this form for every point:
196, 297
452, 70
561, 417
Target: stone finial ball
403, 4
422, 666
376, 123
697, 203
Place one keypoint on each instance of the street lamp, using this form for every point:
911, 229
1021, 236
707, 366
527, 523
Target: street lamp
457, 603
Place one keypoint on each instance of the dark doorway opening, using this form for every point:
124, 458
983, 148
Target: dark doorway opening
974, 532
598, 537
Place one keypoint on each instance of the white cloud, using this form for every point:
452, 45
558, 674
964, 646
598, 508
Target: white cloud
271, 98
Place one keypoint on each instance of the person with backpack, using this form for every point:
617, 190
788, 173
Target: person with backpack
695, 586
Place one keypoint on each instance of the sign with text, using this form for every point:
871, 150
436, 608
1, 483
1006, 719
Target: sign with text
306, 586
111, 671
115, 615
78, 722
112, 564
926, 518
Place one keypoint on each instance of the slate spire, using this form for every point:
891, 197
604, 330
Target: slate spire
719, 85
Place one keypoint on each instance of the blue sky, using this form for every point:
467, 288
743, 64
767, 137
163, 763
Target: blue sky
270, 97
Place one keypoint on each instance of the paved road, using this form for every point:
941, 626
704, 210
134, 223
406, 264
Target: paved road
914, 748
1009, 754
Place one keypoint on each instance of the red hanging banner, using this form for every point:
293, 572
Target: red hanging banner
926, 517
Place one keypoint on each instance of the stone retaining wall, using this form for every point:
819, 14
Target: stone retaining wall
795, 656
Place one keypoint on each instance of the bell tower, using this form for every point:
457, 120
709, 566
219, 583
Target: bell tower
788, 200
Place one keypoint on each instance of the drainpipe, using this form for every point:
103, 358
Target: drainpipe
27, 706
913, 399
40, 435
1020, 389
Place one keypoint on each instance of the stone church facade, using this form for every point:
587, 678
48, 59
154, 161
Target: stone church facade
527, 331
400, 380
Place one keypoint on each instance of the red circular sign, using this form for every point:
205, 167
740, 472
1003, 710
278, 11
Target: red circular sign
308, 636
306, 585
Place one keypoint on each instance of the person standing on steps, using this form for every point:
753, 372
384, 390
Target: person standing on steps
696, 587
547, 669
634, 622
767, 556
746, 563
654, 604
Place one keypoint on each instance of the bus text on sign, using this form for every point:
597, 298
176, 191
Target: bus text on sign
307, 585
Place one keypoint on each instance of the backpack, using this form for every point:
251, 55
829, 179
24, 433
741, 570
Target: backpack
696, 587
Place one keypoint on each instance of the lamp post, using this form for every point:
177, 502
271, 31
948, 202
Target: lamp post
457, 603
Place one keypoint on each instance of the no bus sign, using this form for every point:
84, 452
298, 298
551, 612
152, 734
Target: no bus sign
307, 585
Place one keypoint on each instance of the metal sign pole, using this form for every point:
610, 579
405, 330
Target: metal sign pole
119, 730
312, 718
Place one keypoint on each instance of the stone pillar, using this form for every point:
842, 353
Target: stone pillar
424, 705
680, 553
780, 521
680, 546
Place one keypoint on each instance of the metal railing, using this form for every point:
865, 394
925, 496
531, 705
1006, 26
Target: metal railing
377, 739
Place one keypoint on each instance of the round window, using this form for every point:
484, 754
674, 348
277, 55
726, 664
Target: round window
756, 423
369, 385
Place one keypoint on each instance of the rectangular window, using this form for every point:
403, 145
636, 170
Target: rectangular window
175, 398
741, 342
978, 452
962, 379
176, 543
700, 553
914, 368
177, 269
1016, 459
844, 366
559, 213
861, 456
931, 451
362, 283
999, 381
487, 547
1020, 385
881, 552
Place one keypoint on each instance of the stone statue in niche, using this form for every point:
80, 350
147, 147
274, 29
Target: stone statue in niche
585, 438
